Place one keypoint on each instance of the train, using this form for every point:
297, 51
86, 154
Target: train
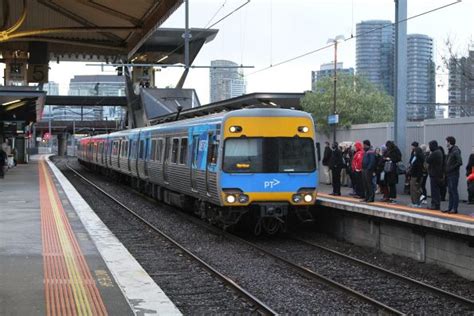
254, 166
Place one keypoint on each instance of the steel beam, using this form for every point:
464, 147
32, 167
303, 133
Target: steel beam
401, 74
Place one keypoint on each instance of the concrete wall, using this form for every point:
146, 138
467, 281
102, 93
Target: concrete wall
451, 251
422, 132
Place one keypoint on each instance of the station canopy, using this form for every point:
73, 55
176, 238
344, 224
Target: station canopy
82, 30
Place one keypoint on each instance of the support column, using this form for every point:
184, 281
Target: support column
401, 74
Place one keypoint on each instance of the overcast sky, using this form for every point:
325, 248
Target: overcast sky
266, 32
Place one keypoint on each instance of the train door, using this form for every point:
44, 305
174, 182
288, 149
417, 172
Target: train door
211, 161
145, 157
138, 153
166, 159
118, 152
194, 162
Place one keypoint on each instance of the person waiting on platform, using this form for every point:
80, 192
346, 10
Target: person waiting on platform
470, 178
326, 157
443, 189
453, 163
415, 172
368, 170
357, 170
335, 165
3, 162
436, 173
392, 158
424, 194
381, 174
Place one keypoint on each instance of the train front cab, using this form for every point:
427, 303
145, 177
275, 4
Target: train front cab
269, 166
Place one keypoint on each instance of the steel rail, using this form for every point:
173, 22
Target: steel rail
402, 277
260, 307
302, 270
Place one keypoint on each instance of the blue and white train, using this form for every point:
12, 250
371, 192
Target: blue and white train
252, 165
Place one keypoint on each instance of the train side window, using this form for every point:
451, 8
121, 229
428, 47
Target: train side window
133, 150
159, 150
213, 152
153, 150
174, 150
141, 153
183, 151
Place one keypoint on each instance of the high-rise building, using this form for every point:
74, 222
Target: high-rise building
327, 70
94, 85
421, 84
375, 53
461, 86
225, 83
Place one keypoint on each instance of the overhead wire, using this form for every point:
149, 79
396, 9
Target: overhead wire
216, 13
353, 37
196, 37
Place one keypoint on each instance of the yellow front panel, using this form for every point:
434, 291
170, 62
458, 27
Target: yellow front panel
269, 126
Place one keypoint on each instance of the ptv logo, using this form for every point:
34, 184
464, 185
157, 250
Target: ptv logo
271, 184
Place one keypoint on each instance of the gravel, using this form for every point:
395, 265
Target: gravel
395, 293
194, 291
424, 272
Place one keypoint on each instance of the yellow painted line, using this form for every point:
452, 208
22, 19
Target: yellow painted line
80, 295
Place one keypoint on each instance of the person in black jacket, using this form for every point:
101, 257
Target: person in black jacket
469, 170
3, 161
435, 171
368, 170
415, 171
443, 189
394, 156
335, 165
453, 163
326, 157
426, 153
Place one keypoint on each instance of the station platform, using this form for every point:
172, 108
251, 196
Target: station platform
461, 223
58, 258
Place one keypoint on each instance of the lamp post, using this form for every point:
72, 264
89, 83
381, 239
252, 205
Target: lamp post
335, 41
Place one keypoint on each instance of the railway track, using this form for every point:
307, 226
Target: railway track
385, 307
258, 305
389, 273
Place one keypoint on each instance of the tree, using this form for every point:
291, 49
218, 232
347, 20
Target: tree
358, 102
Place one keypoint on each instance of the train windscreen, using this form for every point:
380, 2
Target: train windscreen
269, 155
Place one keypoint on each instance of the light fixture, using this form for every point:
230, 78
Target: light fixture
297, 198
272, 103
235, 129
308, 198
230, 199
11, 102
162, 59
338, 38
243, 198
303, 129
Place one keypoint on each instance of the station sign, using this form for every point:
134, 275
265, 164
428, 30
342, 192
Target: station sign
38, 73
333, 119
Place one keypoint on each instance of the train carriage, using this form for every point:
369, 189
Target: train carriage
258, 164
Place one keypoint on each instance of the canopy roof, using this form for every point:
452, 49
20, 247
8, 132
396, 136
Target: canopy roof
82, 29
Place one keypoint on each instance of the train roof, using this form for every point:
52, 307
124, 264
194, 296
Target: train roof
216, 118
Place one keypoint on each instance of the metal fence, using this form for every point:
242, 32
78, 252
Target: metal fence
422, 132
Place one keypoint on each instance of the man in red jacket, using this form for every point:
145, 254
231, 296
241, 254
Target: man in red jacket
357, 169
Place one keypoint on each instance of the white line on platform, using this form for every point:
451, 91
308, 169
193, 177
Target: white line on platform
143, 295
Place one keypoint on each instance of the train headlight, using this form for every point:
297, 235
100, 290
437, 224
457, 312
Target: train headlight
308, 198
235, 129
303, 129
230, 199
243, 198
297, 198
